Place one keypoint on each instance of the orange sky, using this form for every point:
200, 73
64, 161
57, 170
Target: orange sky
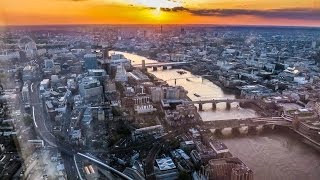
252, 12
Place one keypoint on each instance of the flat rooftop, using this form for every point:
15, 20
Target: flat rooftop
165, 164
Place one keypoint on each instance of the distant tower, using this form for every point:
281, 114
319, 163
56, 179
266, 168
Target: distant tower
90, 61
143, 65
161, 29
106, 53
295, 122
313, 44
183, 31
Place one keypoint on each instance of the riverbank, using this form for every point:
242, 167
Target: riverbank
202, 87
271, 155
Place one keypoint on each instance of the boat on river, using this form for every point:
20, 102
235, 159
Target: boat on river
181, 72
197, 95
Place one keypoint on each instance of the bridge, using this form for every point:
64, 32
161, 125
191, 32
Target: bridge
214, 102
249, 123
159, 64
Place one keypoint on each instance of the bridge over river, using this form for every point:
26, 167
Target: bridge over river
164, 65
214, 102
248, 123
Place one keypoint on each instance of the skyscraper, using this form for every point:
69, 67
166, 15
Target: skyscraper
90, 61
121, 74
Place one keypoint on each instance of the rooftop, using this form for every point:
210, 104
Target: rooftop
165, 164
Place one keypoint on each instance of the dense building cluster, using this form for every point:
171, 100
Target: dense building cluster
93, 113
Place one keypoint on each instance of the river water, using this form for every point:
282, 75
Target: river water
272, 156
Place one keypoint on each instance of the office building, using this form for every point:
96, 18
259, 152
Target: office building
121, 74
30, 72
177, 92
168, 169
228, 169
183, 114
156, 94
100, 74
136, 77
48, 64
25, 93
156, 131
90, 88
90, 61
142, 104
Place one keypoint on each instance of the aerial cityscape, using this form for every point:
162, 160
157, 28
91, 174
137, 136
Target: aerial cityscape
165, 90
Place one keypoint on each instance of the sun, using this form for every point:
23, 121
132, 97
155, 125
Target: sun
158, 4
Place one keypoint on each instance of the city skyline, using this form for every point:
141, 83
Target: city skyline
240, 12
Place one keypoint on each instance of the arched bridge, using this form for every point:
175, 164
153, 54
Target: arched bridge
215, 101
159, 64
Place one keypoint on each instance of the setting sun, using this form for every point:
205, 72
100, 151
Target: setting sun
157, 3
254, 12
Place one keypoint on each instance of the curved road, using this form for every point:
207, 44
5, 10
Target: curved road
39, 118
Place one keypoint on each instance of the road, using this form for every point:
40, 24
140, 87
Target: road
43, 131
38, 116
149, 168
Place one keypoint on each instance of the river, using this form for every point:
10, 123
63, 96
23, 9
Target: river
272, 156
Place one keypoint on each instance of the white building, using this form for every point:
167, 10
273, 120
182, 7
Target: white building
30, 72
25, 93
121, 74
90, 87
156, 131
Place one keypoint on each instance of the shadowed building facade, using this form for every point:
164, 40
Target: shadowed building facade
228, 169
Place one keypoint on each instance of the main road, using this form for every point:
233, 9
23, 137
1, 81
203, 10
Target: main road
39, 118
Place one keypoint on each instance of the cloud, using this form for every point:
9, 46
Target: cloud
297, 13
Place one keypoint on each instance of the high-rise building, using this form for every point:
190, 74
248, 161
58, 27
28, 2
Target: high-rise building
313, 44
90, 87
48, 64
90, 61
106, 53
100, 74
25, 93
121, 74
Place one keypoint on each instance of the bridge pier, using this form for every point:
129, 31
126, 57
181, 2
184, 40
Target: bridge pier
252, 130
200, 107
244, 129
228, 105
164, 67
236, 131
260, 128
214, 106
218, 133
144, 65
154, 68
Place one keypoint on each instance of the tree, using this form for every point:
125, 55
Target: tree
27, 120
